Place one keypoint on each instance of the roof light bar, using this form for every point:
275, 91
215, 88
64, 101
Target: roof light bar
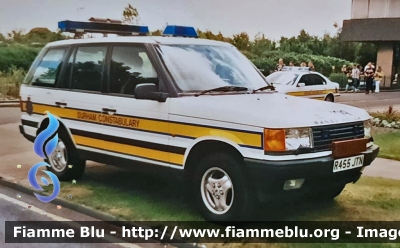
104, 28
295, 68
180, 31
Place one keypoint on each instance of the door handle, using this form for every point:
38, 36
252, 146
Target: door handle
61, 104
109, 110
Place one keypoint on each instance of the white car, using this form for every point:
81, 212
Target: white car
198, 107
300, 81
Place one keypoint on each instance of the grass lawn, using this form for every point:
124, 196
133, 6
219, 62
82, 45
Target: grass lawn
389, 142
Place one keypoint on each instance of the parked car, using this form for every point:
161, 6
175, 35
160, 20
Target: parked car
300, 81
197, 107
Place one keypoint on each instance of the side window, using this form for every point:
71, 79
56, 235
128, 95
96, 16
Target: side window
47, 71
306, 80
130, 66
87, 70
317, 80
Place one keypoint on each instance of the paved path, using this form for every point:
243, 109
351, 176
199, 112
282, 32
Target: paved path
28, 208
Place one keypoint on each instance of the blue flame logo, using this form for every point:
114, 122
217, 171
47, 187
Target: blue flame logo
44, 146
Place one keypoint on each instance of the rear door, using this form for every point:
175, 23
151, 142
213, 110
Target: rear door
80, 100
40, 91
319, 87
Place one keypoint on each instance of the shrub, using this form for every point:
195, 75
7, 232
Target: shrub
10, 82
389, 118
21, 56
323, 64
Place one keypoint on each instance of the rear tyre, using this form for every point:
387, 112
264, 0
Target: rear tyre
221, 189
64, 161
329, 98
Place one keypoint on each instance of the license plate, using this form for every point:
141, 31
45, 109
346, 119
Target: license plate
348, 163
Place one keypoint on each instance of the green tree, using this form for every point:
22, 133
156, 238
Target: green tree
130, 15
241, 41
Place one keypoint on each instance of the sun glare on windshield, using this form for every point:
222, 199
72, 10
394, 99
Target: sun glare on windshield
203, 67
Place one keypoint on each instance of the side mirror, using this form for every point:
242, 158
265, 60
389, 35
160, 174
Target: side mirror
301, 85
149, 92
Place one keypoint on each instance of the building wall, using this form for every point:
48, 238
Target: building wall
375, 9
385, 60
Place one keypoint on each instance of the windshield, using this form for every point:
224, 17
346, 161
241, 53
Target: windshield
203, 67
282, 78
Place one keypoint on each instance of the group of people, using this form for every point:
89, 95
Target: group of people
372, 76
281, 64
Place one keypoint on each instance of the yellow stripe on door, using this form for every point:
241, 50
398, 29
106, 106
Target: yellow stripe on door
130, 150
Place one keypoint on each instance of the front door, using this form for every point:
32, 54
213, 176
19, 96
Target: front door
134, 129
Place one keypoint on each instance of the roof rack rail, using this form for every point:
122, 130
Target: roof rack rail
295, 68
102, 27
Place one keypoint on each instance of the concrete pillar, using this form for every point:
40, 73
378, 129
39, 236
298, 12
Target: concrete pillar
385, 60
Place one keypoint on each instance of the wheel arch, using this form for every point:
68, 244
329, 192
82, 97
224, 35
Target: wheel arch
207, 145
330, 95
45, 122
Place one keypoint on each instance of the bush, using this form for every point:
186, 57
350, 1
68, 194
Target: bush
323, 64
10, 82
389, 118
339, 78
20, 56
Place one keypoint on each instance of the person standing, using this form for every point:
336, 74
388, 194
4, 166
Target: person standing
303, 64
378, 78
291, 63
369, 78
355, 76
311, 66
280, 65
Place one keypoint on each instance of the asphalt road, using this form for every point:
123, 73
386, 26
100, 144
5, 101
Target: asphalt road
27, 208
9, 115
372, 100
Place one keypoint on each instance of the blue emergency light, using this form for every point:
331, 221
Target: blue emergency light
104, 28
180, 31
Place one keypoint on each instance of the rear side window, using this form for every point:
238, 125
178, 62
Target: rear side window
88, 68
306, 80
317, 80
46, 73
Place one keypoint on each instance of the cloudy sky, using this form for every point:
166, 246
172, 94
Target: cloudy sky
274, 18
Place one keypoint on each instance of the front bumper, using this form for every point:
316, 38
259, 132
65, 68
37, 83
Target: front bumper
270, 176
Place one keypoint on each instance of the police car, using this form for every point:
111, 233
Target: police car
300, 81
198, 107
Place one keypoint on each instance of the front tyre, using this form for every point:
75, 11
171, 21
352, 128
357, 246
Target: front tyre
329, 98
63, 157
221, 189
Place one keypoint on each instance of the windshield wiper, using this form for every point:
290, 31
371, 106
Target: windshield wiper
268, 87
224, 89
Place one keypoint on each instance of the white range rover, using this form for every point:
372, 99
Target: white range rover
198, 107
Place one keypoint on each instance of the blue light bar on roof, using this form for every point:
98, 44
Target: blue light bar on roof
180, 31
104, 28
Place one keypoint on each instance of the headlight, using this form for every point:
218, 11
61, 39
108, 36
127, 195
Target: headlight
368, 129
280, 140
298, 137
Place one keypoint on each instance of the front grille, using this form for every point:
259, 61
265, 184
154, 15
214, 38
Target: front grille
325, 135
